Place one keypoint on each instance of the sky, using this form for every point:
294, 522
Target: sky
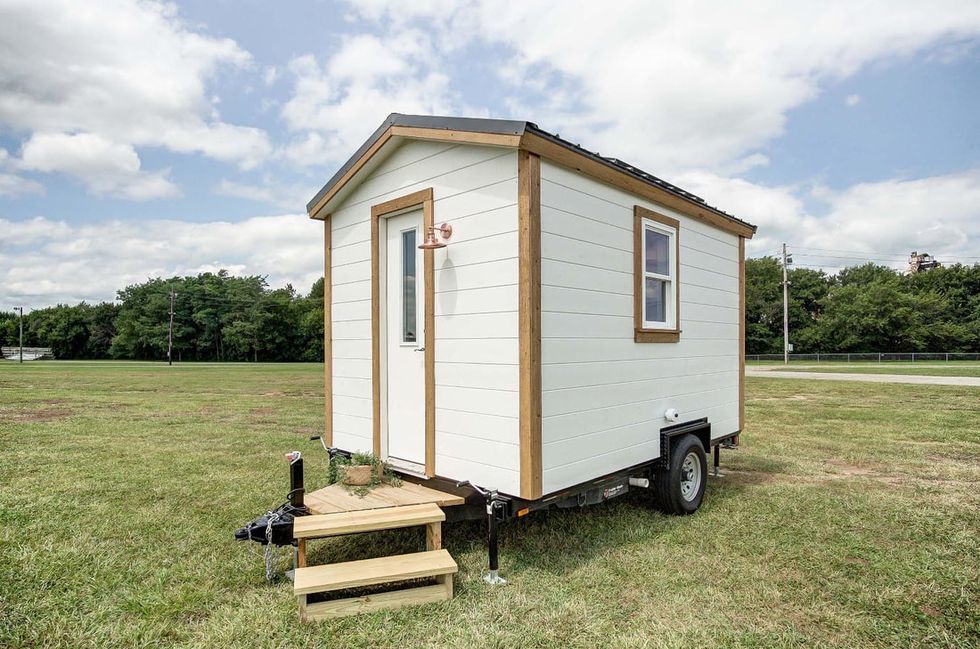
141, 139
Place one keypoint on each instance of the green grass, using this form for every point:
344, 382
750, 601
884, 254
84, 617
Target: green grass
850, 517
954, 368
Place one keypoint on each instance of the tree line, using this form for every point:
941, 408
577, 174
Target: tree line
219, 317
866, 308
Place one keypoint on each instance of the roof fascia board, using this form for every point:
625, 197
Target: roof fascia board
567, 157
415, 133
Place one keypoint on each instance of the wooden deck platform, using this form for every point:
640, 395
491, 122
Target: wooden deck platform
335, 498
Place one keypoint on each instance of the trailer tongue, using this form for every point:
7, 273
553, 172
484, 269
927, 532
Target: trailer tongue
275, 527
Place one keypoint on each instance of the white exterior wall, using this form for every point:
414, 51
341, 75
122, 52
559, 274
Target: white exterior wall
476, 295
604, 395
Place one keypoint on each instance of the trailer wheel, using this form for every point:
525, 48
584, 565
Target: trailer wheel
679, 489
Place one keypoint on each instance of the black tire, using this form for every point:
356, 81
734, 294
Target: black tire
675, 491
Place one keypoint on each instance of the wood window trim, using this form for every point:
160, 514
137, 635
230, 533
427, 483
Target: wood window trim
422, 198
642, 334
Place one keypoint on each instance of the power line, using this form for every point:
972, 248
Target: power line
903, 255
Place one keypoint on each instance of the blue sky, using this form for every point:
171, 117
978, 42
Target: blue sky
139, 139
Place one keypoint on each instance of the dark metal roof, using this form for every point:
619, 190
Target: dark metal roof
509, 127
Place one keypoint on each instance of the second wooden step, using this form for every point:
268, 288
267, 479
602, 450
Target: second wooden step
367, 572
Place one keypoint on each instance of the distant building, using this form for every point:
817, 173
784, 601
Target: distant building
920, 262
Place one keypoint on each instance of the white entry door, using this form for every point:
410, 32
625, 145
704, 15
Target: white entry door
404, 342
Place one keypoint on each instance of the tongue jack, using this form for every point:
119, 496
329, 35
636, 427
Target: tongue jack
296, 488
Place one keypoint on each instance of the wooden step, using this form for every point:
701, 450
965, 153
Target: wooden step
367, 572
368, 520
389, 600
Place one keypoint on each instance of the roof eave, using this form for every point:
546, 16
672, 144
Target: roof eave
524, 135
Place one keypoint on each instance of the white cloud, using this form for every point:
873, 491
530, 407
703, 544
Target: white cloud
940, 214
336, 104
107, 168
852, 100
269, 191
881, 221
14, 185
48, 261
673, 85
128, 72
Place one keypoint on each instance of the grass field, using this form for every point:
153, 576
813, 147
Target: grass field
956, 368
850, 517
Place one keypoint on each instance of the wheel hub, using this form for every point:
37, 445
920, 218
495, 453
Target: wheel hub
690, 477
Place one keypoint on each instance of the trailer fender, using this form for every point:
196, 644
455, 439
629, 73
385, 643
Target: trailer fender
700, 428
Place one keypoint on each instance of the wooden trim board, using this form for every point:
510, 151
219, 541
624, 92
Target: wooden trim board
327, 334
553, 151
529, 316
429, 320
422, 198
568, 158
319, 526
463, 137
640, 333
417, 133
741, 333
363, 160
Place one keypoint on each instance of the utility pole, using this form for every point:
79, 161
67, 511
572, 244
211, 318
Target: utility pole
21, 333
787, 260
170, 333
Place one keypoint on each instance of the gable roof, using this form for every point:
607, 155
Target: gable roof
527, 135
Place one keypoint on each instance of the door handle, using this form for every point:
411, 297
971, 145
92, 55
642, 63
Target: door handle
420, 349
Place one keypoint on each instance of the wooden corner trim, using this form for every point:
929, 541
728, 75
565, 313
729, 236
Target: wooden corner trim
741, 333
327, 333
424, 199
602, 172
529, 317
643, 334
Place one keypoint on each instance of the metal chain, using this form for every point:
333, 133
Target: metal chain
270, 571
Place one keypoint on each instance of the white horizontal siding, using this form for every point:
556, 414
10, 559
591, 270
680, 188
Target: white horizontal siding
603, 395
475, 190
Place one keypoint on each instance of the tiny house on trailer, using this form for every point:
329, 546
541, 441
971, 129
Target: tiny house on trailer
509, 312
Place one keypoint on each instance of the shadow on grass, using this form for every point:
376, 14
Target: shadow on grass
555, 541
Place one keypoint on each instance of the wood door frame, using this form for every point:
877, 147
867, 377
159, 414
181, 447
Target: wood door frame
422, 198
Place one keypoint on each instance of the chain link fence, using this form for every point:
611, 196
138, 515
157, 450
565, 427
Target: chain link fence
876, 357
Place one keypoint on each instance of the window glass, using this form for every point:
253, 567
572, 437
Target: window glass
409, 313
656, 300
657, 252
